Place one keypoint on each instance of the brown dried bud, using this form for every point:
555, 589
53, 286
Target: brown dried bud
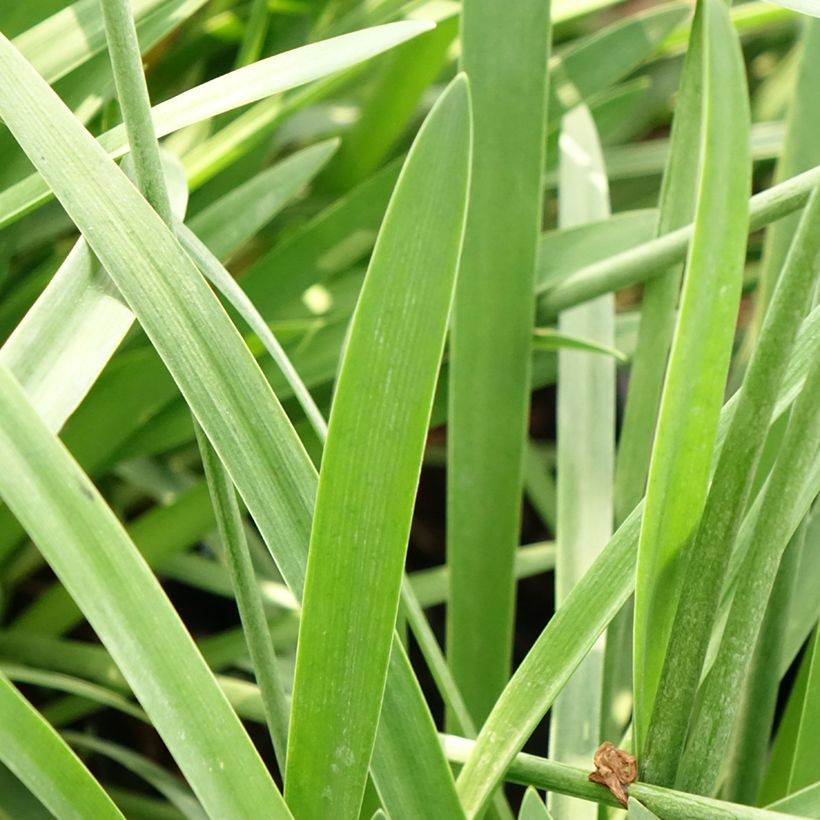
615, 769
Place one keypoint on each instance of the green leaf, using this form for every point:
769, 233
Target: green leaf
228, 223
698, 364
164, 782
660, 296
800, 153
221, 381
608, 56
533, 807
541, 773
586, 452
489, 376
41, 759
805, 803
710, 552
370, 468
546, 338
652, 258
804, 771
248, 598
576, 626
78, 29
564, 250
233, 90
796, 461
637, 811
93, 556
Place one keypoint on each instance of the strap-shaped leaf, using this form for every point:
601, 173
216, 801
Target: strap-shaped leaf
370, 468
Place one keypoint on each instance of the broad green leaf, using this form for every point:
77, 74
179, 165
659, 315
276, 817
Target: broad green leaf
576, 626
41, 759
99, 565
710, 551
370, 468
220, 379
233, 90
712, 724
586, 452
489, 376
699, 360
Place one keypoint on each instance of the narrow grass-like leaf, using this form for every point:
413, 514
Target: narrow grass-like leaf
408, 71
71, 331
712, 725
164, 782
248, 598
805, 803
756, 713
489, 377
652, 258
800, 152
80, 32
545, 338
709, 553
586, 452
227, 285
564, 250
99, 565
804, 770
370, 468
608, 56
698, 363
41, 759
576, 626
233, 90
228, 394
530, 770
660, 296
257, 200
532, 807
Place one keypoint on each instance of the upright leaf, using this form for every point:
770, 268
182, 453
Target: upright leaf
586, 452
698, 364
370, 469
503, 47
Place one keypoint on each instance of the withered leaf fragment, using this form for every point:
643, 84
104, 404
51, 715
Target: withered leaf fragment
615, 769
